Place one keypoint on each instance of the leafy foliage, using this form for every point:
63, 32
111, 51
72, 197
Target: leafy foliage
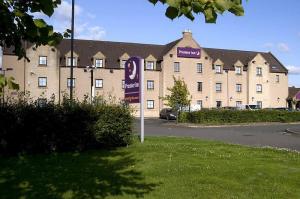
18, 24
179, 96
32, 127
216, 116
7, 82
210, 8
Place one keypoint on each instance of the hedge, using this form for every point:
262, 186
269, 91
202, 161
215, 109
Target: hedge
216, 116
31, 128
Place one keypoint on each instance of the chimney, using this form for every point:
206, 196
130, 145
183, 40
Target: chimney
187, 33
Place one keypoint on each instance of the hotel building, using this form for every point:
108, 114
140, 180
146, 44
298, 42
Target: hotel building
215, 77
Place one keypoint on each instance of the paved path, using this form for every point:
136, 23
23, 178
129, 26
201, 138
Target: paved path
255, 135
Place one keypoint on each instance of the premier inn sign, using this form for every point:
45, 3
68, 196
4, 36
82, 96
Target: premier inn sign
189, 52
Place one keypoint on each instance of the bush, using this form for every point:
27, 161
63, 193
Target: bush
27, 127
216, 116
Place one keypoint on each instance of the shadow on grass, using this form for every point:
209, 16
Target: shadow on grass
93, 174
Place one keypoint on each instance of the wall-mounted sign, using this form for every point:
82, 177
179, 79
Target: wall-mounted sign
189, 52
132, 80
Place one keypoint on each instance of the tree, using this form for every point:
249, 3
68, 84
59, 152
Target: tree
179, 97
7, 82
210, 8
18, 24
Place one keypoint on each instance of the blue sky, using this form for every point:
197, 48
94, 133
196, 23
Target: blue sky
267, 26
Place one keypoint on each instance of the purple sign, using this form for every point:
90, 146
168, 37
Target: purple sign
189, 52
132, 80
298, 96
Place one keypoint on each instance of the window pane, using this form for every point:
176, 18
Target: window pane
218, 87
99, 83
150, 84
199, 86
150, 104
69, 61
199, 68
176, 67
43, 60
150, 65
218, 68
99, 63
69, 82
42, 81
123, 62
123, 84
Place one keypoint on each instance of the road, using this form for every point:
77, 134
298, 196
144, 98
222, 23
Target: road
254, 135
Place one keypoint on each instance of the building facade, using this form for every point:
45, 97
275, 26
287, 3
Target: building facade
214, 77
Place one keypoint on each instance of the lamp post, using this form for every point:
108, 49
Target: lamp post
72, 49
4, 73
91, 70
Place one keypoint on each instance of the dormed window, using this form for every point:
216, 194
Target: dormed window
98, 63
218, 69
238, 70
150, 65
122, 63
74, 61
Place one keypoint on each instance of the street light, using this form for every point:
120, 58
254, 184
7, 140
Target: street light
91, 70
72, 49
4, 72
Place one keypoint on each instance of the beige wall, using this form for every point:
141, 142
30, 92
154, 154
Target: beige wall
274, 93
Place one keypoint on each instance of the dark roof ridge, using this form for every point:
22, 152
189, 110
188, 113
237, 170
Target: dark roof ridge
117, 42
250, 51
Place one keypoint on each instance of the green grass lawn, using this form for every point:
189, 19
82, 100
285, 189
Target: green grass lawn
160, 168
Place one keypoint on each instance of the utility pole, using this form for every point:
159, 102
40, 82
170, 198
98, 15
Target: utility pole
72, 49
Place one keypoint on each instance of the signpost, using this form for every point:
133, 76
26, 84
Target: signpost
134, 86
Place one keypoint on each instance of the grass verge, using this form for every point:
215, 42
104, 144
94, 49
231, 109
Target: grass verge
162, 167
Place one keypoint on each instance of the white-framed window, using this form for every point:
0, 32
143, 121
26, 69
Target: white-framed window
43, 60
199, 86
69, 83
259, 104
219, 104
99, 63
176, 67
238, 70
218, 87
99, 83
258, 88
69, 61
42, 81
238, 88
150, 85
199, 68
150, 104
199, 103
123, 84
277, 79
150, 65
238, 103
258, 71
123, 62
218, 69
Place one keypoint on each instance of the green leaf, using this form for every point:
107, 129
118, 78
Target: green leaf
153, 1
210, 15
47, 7
40, 23
171, 12
238, 10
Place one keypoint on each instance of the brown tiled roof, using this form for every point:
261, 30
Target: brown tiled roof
86, 49
293, 92
230, 57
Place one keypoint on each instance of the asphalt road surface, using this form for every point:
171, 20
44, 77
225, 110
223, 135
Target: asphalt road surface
259, 135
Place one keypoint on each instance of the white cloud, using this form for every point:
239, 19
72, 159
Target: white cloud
61, 20
294, 70
283, 47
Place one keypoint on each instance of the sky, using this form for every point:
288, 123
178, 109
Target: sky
268, 25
